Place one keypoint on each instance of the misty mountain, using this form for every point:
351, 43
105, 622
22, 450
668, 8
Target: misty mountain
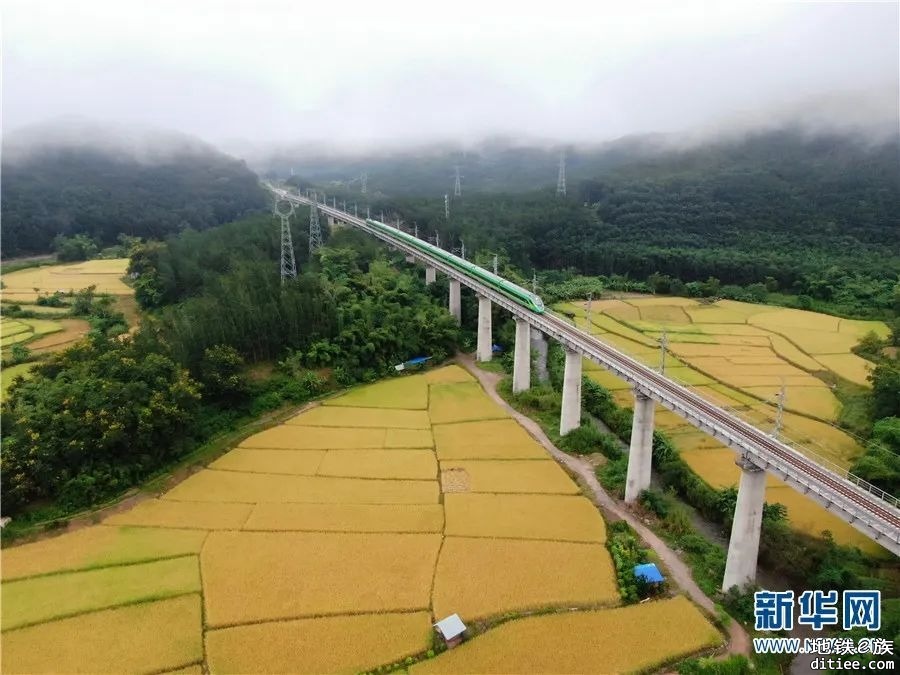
80, 178
504, 165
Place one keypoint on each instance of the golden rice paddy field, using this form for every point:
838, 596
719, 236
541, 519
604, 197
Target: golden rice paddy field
739, 355
43, 336
637, 638
331, 543
25, 285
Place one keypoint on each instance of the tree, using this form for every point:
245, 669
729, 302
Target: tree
77, 247
91, 421
221, 374
885, 379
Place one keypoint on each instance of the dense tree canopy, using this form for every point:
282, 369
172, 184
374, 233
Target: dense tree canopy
101, 193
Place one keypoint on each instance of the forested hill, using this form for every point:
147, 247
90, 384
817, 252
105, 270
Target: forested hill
54, 188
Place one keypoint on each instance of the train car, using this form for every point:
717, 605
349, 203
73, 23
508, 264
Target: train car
512, 291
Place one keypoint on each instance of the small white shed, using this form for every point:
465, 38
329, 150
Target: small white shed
451, 629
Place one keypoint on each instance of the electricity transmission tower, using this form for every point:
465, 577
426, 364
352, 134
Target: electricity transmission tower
364, 182
447, 207
457, 186
561, 178
315, 232
663, 346
779, 415
288, 264
495, 264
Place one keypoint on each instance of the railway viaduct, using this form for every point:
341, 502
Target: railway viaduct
866, 507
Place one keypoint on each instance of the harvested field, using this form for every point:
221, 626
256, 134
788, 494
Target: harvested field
308, 645
345, 416
637, 638
523, 517
71, 330
399, 464
194, 515
149, 637
347, 517
98, 546
328, 574
478, 578
461, 403
259, 460
409, 392
493, 439
448, 375
528, 476
40, 599
251, 488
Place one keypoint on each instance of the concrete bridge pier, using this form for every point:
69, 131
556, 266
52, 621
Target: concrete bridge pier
539, 349
640, 451
485, 335
430, 275
330, 221
740, 566
455, 303
522, 361
570, 417
410, 259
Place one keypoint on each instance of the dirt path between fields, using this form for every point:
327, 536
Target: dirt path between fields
738, 641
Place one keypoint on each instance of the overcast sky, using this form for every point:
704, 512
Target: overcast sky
362, 73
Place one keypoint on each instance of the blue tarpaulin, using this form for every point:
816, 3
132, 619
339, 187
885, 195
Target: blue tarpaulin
648, 572
418, 361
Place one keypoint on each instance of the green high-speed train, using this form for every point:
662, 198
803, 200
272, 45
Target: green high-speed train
515, 293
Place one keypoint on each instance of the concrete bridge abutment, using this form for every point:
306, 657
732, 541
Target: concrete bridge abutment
430, 275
